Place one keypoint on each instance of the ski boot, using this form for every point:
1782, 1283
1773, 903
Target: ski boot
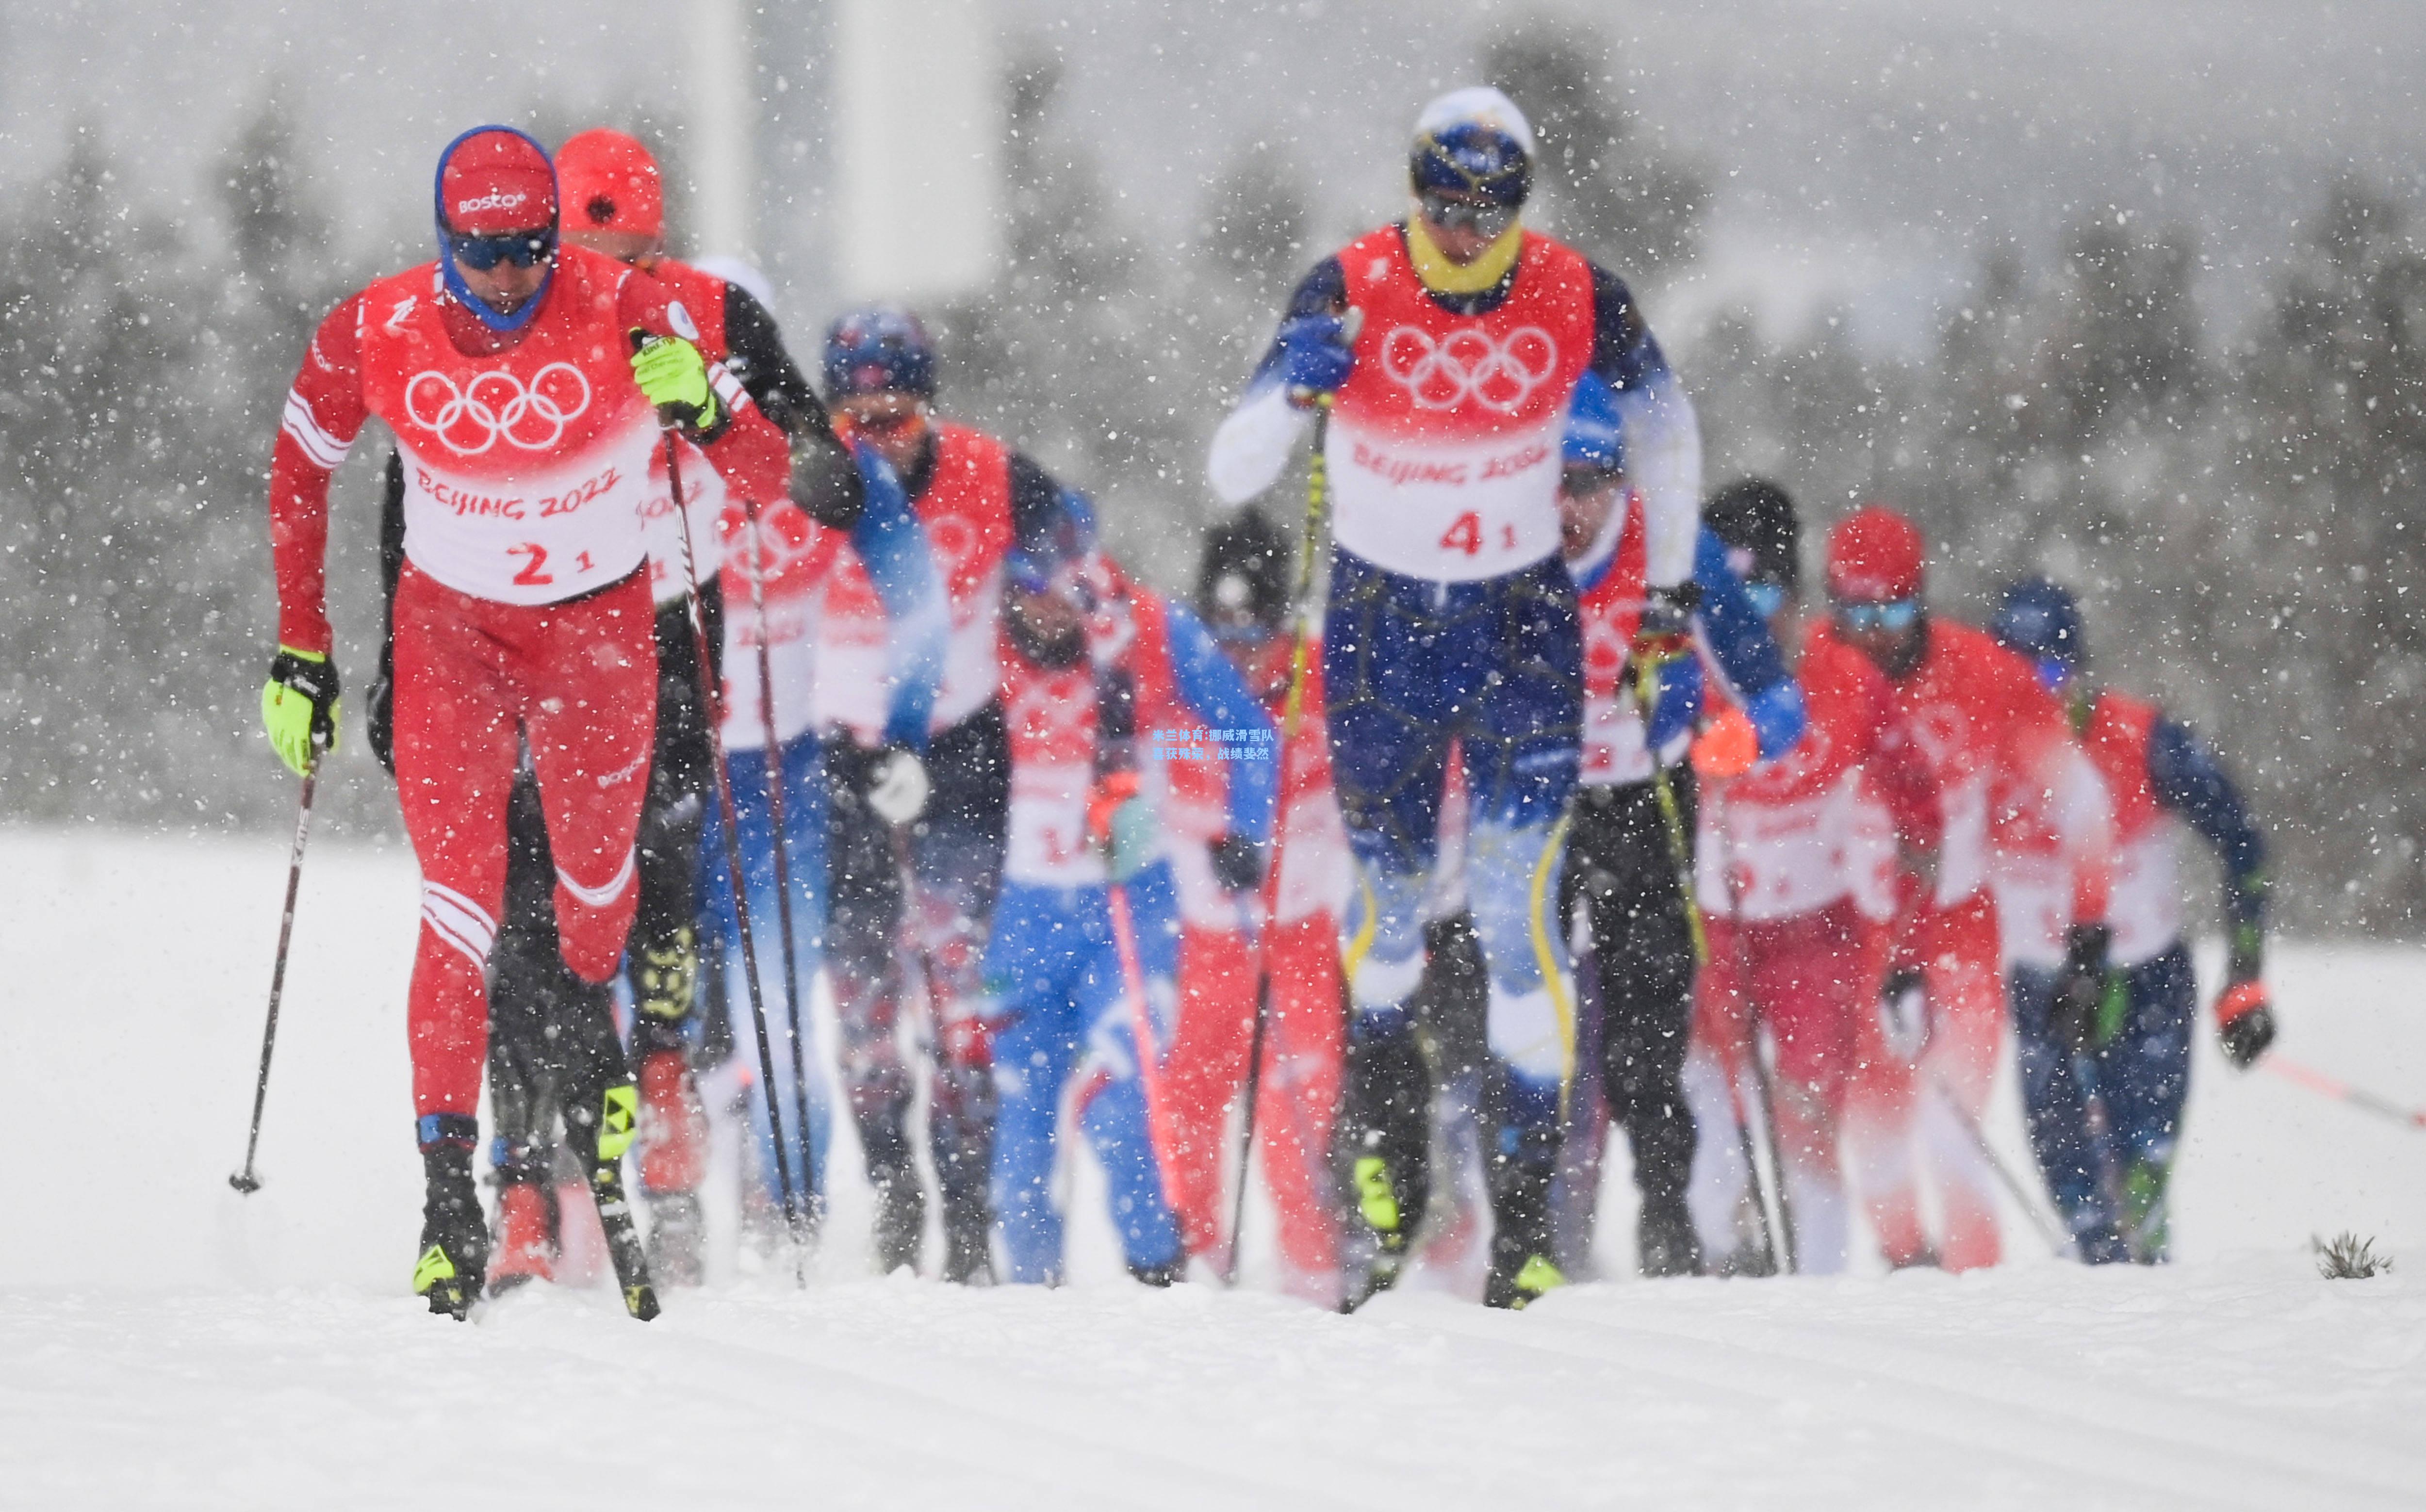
454, 1235
968, 1229
1521, 1267
2145, 1212
1389, 1103
599, 1129
673, 1161
1664, 1242
525, 1235
1160, 1276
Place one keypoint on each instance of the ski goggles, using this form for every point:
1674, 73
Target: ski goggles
523, 249
1861, 617
1492, 220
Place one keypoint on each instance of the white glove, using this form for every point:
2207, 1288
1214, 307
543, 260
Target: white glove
898, 786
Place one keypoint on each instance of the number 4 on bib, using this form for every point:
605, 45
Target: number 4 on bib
1465, 534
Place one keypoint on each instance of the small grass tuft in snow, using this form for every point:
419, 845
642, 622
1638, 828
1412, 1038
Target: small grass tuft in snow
2346, 1257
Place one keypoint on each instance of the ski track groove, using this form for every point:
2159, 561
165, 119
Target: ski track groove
1708, 1363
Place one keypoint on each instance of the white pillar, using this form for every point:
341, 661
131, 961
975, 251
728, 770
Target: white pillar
918, 142
723, 125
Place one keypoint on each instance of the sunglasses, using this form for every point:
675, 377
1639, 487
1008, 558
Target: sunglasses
523, 249
1492, 220
1894, 616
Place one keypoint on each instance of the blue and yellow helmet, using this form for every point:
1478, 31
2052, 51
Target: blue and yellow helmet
1473, 140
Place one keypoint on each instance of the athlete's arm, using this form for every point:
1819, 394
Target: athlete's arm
1744, 651
893, 547
1254, 445
2189, 781
745, 447
755, 354
1663, 438
1211, 687
325, 412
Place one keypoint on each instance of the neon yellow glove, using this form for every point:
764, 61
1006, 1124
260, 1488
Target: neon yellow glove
674, 376
299, 706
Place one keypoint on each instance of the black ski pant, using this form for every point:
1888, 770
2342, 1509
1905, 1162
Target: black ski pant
953, 856
1622, 879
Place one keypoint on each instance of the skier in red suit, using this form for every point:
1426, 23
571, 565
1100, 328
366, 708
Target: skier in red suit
525, 381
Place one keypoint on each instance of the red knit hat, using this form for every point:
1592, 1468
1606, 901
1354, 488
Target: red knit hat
495, 181
1875, 555
612, 183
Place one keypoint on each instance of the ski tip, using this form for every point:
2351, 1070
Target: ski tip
246, 1184
641, 1302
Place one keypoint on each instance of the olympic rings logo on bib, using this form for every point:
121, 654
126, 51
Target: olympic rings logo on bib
1469, 364
495, 406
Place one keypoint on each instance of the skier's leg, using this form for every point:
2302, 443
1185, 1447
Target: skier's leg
1967, 995
1518, 747
527, 1070
1112, 1108
956, 862
663, 958
1643, 946
1298, 1092
1804, 974
1719, 1190
1030, 968
862, 963
2055, 1114
455, 750
1881, 1145
1207, 1061
2145, 1077
1388, 699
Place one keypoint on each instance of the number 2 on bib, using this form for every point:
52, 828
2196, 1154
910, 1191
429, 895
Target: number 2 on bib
531, 575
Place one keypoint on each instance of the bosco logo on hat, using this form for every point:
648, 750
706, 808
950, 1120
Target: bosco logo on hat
494, 180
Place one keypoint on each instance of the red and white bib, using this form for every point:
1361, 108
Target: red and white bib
525, 471
1612, 611
1442, 446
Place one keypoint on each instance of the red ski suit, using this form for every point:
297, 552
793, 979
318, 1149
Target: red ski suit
1300, 1083
523, 613
1796, 871
2026, 841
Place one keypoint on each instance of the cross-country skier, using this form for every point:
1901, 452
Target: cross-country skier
524, 383
542, 1016
2133, 1038
2024, 856
1098, 675
799, 565
1243, 598
1799, 875
1448, 349
1629, 853
977, 496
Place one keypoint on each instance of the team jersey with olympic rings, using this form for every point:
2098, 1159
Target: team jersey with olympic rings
1442, 446
526, 457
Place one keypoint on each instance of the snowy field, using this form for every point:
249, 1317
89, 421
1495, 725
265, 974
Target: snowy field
164, 1345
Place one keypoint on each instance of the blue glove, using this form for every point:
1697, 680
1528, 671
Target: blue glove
1777, 717
1314, 355
1677, 703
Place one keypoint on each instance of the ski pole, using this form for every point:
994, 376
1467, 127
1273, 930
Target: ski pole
710, 706
2340, 1091
1784, 1228
244, 1180
2056, 1239
782, 859
1309, 553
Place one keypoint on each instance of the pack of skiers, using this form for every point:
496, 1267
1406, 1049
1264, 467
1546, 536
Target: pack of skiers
1564, 808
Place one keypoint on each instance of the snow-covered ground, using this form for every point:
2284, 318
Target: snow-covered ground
165, 1343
